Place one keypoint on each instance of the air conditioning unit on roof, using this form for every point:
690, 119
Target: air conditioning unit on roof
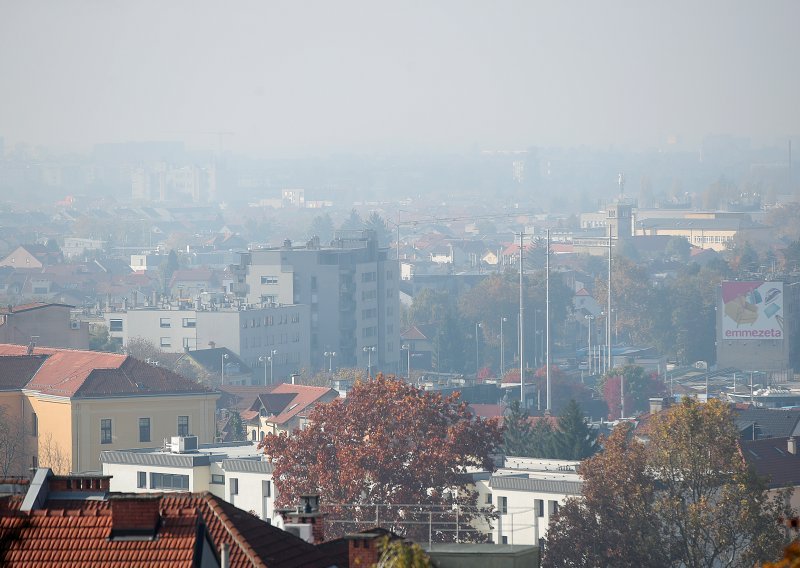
184, 444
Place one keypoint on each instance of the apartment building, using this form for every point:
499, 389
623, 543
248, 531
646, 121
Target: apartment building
526, 493
350, 286
236, 472
273, 338
65, 406
45, 324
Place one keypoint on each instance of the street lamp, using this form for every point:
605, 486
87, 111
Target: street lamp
477, 362
265, 359
502, 351
591, 359
224, 356
369, 351
407, 348
330, 355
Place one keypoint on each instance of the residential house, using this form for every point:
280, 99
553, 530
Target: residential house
72, 404
280, 408
777, 461
32, 256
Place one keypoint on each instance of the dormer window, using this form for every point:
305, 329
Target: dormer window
263, 411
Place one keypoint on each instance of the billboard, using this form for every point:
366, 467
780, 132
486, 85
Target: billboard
752, 310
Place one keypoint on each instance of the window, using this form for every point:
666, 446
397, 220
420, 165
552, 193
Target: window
389, 275
369, 331
217, 479
105, 431
505, 540
266, 488
141, 479
234, 486
539, 504
144, 429
488, 498
34, 425
502, 504
254, 435
369, 294
183, 425
269, 279
368, 277
313, 283
552, 507
189, 322
115, 325
369, 313
166, 342
169, 481
165, 322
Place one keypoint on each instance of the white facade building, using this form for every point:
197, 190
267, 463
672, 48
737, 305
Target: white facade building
251, 333
526, 493
235, 472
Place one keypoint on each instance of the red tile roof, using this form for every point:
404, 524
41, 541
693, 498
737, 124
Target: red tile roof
77, 533
71, 373
303, 399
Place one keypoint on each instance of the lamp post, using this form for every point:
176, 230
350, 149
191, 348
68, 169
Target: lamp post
369, 351
477, 362
268, 359
502, 351
591, 359
407, 348
224, 356
330, 355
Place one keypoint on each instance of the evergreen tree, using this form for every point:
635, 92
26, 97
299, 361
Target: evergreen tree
518, 431
542, 438
236, 426
573, 440
353, 222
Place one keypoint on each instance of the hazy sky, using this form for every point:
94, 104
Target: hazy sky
340, 75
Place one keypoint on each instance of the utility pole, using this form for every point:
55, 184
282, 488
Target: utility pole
521, 320
547, 318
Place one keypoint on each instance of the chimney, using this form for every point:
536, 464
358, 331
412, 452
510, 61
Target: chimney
307, 512
224, 556
791, 445
135, 516
658, 404
363, 549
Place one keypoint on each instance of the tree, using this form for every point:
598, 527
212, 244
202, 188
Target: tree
398, 553
388, 443
236, 426
612, 523
518, 430
353, 222
678, 249
100, 339
639, 388
573, 440
52, 455
12, 445
376, 223
322, 227
692, 499
713, 509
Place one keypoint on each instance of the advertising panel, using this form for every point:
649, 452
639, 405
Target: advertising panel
752, 310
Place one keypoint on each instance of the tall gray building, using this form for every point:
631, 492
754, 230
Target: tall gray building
351, 287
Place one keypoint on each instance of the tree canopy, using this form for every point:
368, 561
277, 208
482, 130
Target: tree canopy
388, 443
688, 493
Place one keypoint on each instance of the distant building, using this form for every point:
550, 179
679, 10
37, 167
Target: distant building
32, 256
47, 325
351, 288
253, 333
77, 246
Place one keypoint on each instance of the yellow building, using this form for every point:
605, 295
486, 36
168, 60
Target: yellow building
714, 231
63, 407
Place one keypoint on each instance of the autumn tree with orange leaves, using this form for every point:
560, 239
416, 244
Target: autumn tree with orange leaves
389, 454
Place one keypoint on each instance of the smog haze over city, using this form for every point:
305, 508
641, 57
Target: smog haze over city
303, 78
451, 271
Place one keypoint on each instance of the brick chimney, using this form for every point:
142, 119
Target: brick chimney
80, 484
307, 512
135, 515
363, 549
